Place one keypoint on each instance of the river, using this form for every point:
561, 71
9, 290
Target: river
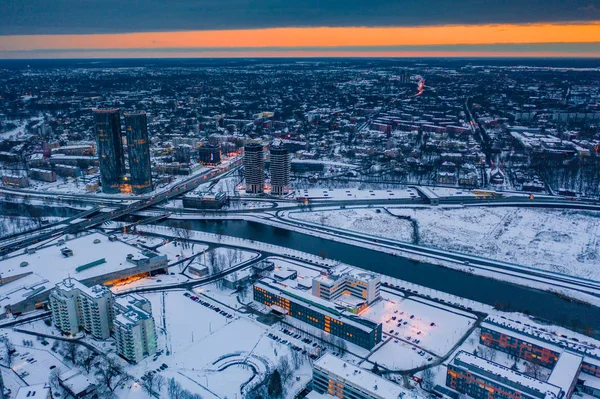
507, 296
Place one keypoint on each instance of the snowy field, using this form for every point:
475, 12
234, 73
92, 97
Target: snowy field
564, 241
197, 337
18, 224
363, 220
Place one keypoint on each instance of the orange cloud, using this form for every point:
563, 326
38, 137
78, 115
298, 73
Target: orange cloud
311, 37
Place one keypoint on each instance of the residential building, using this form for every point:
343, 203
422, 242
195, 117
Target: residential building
133, 328
280, 169
482, 379
138, 151
76, 307
107, 124
128, 319
254, 165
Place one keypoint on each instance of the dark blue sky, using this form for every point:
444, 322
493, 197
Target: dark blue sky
20, 17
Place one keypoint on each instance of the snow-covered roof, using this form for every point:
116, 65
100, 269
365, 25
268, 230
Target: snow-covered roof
75, 381
375, 385
504, 374
565, 371
39, 391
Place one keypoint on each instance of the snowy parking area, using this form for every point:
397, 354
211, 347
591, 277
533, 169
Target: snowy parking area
432, 328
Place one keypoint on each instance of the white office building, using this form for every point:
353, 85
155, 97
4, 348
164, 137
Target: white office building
345, 283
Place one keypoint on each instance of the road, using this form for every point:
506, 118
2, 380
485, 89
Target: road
182, 187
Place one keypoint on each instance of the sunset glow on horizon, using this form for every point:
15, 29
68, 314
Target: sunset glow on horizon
331, 40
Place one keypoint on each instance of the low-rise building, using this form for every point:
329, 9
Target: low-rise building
333, 376
482, 379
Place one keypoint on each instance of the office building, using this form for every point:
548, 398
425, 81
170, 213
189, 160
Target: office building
280, 169
347, 286
109, 148
138, 151
333, 376
201, 200
254, 165
482, 379
209, 154
133, 328
76, 307
317, 313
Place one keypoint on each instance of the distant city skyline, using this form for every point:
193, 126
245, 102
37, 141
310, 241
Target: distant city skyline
273, 28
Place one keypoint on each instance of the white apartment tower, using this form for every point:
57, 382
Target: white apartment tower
76, 307
133, 328
128, 319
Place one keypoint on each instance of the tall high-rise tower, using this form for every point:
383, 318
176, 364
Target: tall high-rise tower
138, 150
110, 148
254, 165
280, 169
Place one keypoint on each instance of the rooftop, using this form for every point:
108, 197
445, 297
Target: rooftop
362, 378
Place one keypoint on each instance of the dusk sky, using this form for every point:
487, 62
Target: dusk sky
274, 28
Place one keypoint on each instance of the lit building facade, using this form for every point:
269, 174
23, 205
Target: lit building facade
209, 154
254, 165
333, 376
107, 125
317, 313
518, 347
362, 285
138, 151
482, 379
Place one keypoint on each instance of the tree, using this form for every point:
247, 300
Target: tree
428, 377
515, 366
285, 370
53, 379
375, 369
85, 358
69, 351
10, 351
148, 383
111, 373
160, 383
275, 388
173, 389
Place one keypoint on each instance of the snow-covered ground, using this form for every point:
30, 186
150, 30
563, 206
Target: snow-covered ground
18, 224
564, 241
363, 220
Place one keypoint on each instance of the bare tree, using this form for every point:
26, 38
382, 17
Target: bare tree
10, 351
53, 379
173, 389
111, 373
69, 351
148, 383
160, 383
428, 378
285, 370
85, 358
